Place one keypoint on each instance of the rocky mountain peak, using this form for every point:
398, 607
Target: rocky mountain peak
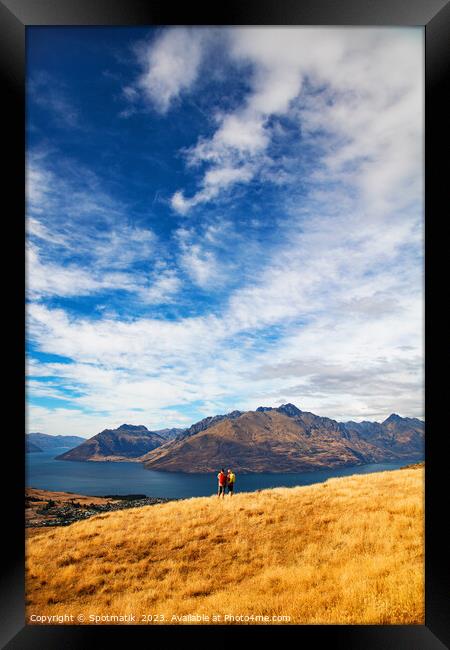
392, 418
289, 409
132, 427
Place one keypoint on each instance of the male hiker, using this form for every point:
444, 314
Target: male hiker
231, 478
222, 478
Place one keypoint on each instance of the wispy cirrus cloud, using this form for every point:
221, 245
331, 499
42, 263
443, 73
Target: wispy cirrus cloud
81, 241
52, 95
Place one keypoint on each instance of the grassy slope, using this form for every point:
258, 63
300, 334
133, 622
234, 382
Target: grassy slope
346, 551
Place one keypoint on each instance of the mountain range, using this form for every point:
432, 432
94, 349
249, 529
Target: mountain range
127, 442
269, 439
31, 447
35, 442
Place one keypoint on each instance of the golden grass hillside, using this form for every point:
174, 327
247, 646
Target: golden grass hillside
349, 550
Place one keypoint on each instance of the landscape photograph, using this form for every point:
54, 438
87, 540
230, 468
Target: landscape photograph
225, 419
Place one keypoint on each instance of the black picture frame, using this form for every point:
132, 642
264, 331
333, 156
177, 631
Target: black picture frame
434, 16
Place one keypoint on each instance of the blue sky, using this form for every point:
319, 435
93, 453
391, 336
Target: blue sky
220, 218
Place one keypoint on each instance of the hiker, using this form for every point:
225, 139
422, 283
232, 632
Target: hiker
231, 478
222, 478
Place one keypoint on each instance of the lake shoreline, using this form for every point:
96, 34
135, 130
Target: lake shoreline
47, 508
208, 472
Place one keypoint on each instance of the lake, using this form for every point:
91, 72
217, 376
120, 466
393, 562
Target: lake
99, 479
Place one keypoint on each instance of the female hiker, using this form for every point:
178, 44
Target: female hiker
231, 478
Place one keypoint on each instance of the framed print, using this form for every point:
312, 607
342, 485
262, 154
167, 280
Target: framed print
230, 255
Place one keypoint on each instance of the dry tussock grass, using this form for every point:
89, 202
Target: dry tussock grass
346, 551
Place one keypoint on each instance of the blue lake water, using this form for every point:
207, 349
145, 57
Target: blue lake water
99, 479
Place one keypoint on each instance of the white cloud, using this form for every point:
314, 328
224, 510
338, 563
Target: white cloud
214, 182
171, 65
46, 279
52, 279
162, 289
200, 265
204, 254
367, 96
